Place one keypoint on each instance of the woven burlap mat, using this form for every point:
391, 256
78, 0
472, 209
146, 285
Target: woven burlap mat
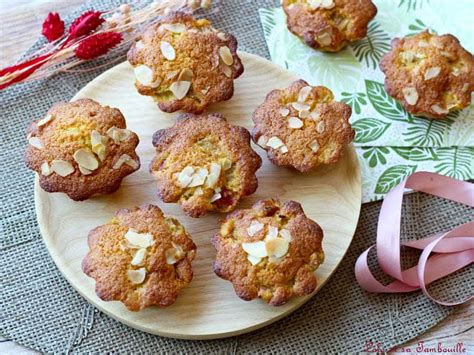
39, 309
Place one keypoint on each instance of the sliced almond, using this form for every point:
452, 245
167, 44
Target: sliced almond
205, 90
295, 123
215, 197
465, 87
277, 247
45, 120
125, 159
304, 93
262, 141
139, 257
298, 106
257, 249
226, 55
35, 142
432, 73
45, 169
411, 95
167, 50
314, 4
271, 233
222, 36
304, 114
185, 176
451, 105
324, 39
118, 134
120, 161
100, 151
171, 258
137, 276
275, 143
139, 45
214, 173
174, 27
284, 112
84, 171
97, 138
199, 177
186, 75
199, 191
138, 240
314, 146
226, 163
315, 115
184, 180
274, 260
143, 74
227, 71
174, 254
202, 172
254, 228
62, 168
156, 83
86, 159
180, 89
172, 74
343, 24
327, 4
284, 149
408, 56
253, 260
320, 126
285, 234
439, 110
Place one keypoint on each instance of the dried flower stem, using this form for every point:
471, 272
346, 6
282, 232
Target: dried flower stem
59, 55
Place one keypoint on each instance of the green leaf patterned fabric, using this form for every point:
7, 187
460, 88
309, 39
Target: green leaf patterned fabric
390, 142
371, 48
385, 105
369, 129
392, 177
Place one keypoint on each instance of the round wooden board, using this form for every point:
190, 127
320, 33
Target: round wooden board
208, 308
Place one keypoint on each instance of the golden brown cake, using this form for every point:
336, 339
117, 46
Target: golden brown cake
81, 148
269, 251
141, 258
430, 75
302, 126
185, 64
204, 163
329, 25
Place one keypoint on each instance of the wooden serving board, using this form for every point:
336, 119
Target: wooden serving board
208, 308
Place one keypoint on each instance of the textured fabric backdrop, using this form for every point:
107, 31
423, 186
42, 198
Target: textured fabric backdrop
40, 310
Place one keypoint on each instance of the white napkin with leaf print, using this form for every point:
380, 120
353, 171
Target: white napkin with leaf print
391, 143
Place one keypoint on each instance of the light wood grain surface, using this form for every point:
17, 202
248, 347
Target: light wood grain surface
20, 25
208, 308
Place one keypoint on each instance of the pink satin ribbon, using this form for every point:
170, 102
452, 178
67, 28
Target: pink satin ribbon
454, 249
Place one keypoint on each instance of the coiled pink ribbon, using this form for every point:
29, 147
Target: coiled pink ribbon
454, 249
